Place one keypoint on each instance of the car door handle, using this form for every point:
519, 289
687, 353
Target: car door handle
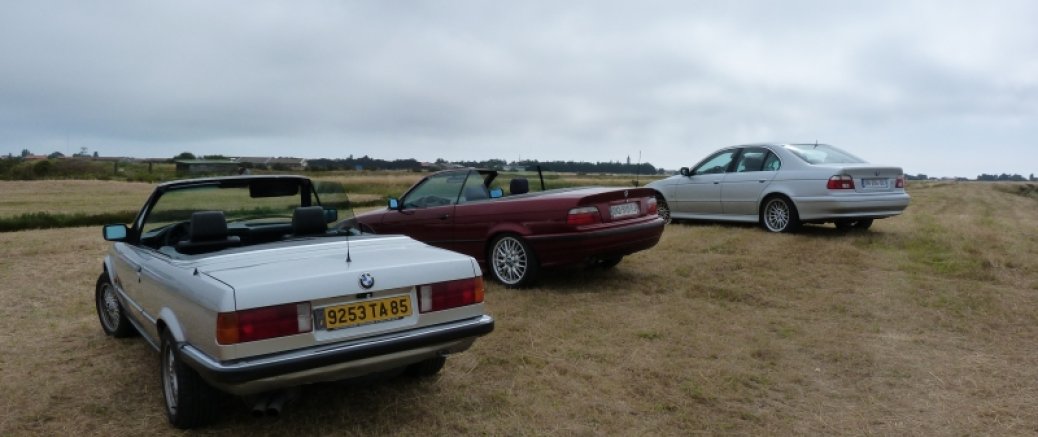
762, 180
445, 216
716, 182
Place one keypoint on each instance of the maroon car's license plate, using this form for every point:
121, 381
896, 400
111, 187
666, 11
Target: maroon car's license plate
623, 210
363, 313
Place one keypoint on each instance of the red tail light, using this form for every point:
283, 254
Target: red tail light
583, 216
650, 207
900, 183
263, 323
450, 294
840, 182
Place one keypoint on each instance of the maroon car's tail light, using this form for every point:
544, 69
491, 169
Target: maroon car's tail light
650, 207
583, 216
900, 182
263, 323
450, 294
840, 182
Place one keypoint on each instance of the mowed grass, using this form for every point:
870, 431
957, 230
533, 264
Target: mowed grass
925, 325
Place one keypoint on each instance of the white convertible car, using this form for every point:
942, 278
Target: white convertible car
255, 284
782, 186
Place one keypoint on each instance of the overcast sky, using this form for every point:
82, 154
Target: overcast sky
946, 88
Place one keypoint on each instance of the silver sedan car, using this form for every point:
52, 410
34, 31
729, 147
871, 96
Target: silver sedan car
782, 186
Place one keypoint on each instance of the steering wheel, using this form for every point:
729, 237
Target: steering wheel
176, 233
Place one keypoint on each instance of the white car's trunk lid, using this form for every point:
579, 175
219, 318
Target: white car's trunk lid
298, 273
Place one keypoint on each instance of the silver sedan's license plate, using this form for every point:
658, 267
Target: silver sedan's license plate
623, 210
874, 183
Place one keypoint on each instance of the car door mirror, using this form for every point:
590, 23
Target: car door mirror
685, 171
394, 203
115, 232
496, 192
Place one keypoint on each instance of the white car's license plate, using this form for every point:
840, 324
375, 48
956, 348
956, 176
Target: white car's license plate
623, 210
363, 313
874, 183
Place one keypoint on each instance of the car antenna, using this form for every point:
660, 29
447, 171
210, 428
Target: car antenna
638, 170
348, 259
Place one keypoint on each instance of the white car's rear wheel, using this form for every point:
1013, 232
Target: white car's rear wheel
190, 402
512, 262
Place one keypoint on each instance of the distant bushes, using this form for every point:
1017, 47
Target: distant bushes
46, 220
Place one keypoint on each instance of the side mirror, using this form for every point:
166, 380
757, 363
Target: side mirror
394, 203
685, 171
115, 232
331, 215
496, 192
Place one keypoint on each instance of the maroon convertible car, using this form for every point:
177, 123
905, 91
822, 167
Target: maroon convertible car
518, 233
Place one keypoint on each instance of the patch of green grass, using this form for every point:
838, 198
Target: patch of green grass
46, 220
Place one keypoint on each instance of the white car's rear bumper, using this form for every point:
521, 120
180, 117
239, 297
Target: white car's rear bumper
337, 361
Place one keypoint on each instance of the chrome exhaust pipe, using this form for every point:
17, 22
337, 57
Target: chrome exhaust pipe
259, 405
276, 403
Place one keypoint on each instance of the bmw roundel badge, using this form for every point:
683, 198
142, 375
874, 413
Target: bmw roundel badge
367, 280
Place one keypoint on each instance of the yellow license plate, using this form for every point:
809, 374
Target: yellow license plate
371, 311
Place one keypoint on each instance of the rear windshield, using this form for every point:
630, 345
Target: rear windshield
822, 154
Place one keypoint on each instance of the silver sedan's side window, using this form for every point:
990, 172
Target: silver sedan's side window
718, 163
772, 162
751, 160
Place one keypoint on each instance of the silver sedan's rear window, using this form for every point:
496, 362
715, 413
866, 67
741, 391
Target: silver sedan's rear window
822, 154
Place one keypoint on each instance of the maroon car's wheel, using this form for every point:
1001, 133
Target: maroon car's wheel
110, 311
512, 262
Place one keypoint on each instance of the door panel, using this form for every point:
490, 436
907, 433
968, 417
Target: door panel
741, 189
698, 195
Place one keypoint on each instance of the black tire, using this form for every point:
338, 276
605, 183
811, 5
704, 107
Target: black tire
427, 368
846, 225
778, 214
662, 208
610, 262
110, 311
189, 401
511, 261
863, 224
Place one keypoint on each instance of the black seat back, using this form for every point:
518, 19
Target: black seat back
309, 220
519, 186
208, 233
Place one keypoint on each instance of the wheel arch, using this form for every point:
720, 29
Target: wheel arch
167, 322
766, 196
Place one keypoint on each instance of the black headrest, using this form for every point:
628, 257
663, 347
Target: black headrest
519, 186
208, 226
307, 220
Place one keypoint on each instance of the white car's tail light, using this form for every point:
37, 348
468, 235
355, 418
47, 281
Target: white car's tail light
263, 323
583, 216
840, 182
900, 182
450, 294
650, 207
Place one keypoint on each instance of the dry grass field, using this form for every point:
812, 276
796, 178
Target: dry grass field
925, 325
